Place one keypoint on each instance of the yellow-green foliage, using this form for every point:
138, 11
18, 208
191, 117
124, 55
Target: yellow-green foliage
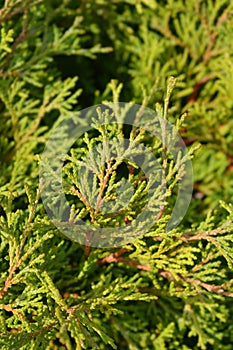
165, 290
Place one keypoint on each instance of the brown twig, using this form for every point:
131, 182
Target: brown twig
116, 257
9, 281
104, 178
22, 36
112, 257
160, 214
209, 52
8, 13
87, 248
202, 235
192, 98
213, 288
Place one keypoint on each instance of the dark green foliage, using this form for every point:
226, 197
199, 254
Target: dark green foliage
165, 290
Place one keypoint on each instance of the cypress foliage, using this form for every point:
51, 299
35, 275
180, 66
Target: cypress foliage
164, 289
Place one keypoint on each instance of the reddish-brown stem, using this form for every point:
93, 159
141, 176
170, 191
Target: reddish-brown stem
87, 248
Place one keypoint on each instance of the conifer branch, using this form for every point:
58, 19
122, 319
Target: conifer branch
158, 288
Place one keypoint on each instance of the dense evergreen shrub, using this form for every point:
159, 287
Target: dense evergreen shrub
164, 290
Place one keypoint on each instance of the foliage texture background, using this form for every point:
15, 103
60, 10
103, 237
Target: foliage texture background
164, 291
